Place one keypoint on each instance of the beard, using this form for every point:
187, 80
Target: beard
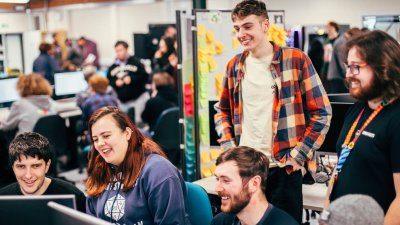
237, 202
373, 90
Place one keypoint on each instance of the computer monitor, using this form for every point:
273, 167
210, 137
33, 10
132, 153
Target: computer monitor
340, 104
31, 210
9, 93
62, 215
213, 133
68, 84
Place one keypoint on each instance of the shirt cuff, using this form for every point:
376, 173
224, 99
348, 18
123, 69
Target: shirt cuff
297, 156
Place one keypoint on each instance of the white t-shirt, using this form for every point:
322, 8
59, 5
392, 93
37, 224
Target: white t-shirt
258, 87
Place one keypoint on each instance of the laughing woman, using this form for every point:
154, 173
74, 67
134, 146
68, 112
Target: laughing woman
130, 180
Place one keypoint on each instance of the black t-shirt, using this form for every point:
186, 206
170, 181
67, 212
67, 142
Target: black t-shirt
56, 187
272, 216
375, 157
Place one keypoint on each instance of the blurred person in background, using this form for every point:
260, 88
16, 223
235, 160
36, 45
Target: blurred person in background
337, 73
45, 64
163, 97
35, 102
88, 51
166, 58
128, 77
98, 98
88, 72
332, 30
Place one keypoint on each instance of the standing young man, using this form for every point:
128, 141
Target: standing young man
241, 174
274, 102
30, 157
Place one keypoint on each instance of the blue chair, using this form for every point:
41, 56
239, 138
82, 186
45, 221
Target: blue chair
198, 205
166, 134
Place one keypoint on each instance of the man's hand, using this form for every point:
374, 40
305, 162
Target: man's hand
296, 166
173, 60
127, 80
119, 83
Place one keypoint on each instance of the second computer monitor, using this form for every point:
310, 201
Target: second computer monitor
9, 93
30, 210
68, 84
62, 215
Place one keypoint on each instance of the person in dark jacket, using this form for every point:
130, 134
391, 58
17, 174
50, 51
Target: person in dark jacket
128, 78
163, 97
45, 64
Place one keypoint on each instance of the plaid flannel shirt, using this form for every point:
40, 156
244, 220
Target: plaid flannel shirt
301, 108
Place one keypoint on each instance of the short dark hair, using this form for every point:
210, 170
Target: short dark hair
250, 162
382, 53
44, 47
334, 25
123, 43
249, 7
30, 144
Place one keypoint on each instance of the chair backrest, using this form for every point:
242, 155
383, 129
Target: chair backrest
198, 205
166, 133
53, 128
131, 114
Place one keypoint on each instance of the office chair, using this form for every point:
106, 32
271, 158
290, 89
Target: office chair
53, 128
131, 114
198, 205
166, 134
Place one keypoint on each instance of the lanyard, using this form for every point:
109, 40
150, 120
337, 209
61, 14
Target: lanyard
349, 145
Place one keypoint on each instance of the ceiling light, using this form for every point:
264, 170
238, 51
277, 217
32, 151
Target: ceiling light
15, 1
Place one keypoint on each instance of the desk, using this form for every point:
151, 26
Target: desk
68, 109
313, 195
65, 109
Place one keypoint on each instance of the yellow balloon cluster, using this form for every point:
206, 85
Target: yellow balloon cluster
277, 34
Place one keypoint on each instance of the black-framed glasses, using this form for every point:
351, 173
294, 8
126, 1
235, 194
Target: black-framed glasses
354, 68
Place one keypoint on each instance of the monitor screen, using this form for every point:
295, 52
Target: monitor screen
213, 133
62, 215
9, 93
30, 210
69, 83
340, 105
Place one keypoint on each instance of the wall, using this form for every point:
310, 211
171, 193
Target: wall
107, 23
13, 22
308, 12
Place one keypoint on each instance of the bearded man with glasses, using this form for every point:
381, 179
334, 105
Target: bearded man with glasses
368, 144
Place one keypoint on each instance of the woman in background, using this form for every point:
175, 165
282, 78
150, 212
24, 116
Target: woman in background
166, 58
130, 180
35, 102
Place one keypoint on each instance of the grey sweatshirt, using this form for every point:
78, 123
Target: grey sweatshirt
25, 112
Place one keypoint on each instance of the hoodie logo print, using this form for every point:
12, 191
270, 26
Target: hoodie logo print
117, 210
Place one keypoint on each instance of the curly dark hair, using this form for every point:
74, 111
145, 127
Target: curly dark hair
382, 53
249, 7
30, 144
